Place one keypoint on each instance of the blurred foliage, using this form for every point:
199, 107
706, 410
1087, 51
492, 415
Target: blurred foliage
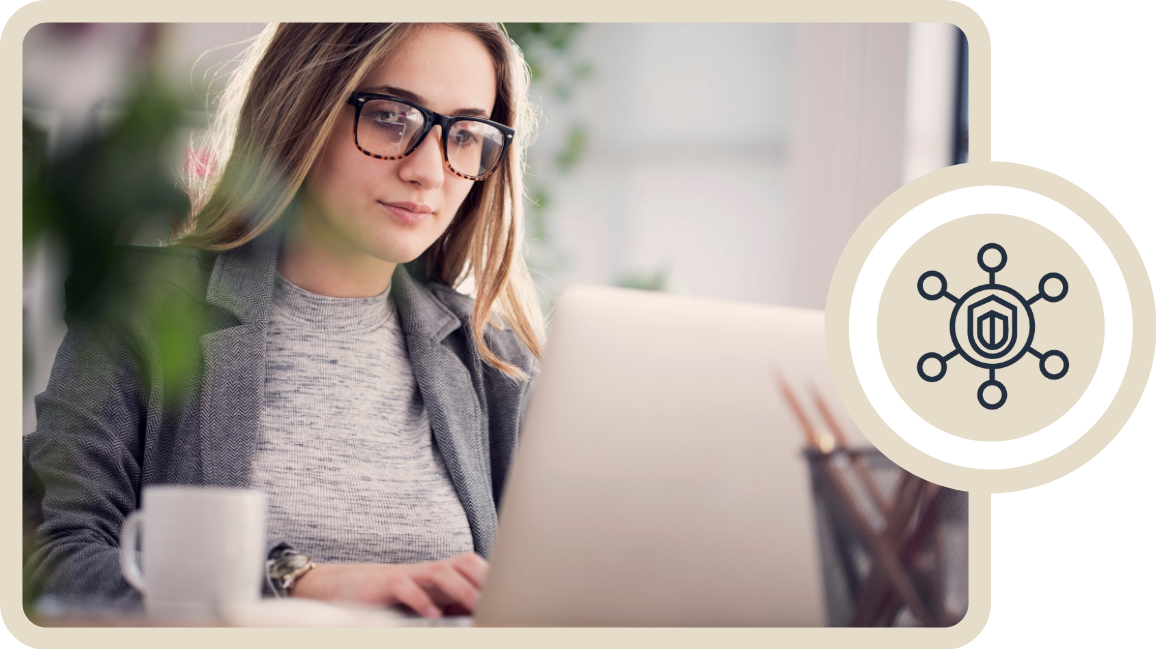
646, 281
104, 187
548, 48
557, 74
574, 148
92, 196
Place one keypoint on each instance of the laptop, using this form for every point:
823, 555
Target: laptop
660, 479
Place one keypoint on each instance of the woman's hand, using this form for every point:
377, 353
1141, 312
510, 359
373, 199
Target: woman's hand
430, 589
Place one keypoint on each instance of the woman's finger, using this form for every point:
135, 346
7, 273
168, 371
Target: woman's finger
406, 591
451, 583
473, 567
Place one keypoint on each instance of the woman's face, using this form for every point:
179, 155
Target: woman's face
394, 209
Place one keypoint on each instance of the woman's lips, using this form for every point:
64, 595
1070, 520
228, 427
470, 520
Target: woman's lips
407, 212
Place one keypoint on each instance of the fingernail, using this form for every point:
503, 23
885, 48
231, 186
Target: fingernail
433, 611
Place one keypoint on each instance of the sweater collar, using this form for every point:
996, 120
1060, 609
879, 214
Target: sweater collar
241, 282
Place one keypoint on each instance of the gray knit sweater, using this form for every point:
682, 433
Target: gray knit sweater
345, 451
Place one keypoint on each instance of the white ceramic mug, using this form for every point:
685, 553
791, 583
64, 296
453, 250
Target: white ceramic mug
202, 549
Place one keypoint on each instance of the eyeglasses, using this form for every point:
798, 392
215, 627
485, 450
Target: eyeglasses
389, 128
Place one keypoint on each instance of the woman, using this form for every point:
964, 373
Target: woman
369, 404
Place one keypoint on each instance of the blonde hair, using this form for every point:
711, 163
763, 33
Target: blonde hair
274, 117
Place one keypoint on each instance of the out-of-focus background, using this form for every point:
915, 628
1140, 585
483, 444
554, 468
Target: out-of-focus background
720, 160
729, 161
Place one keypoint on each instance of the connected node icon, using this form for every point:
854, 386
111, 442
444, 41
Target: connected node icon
988, 326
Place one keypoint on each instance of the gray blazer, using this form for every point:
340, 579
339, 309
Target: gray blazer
111, 421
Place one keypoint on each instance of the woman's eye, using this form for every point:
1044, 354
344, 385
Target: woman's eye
387, 118
464, 138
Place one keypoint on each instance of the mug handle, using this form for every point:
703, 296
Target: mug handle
129, 535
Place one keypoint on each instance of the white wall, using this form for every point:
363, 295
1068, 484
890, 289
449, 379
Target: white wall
931, 98
848, 99
741, 158
685, 172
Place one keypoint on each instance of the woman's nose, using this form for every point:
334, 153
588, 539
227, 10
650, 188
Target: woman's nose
424, 166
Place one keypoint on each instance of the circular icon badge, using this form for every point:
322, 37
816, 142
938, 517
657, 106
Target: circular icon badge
990, 327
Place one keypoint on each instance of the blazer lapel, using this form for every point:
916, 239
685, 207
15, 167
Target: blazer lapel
232, 389
232, 383
451, 401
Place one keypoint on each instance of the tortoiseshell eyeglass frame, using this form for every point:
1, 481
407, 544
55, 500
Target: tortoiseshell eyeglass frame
432, 119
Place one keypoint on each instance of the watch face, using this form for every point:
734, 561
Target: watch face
289, 565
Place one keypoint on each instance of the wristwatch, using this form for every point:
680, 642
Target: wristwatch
285, 567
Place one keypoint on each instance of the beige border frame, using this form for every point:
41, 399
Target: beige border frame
899, 11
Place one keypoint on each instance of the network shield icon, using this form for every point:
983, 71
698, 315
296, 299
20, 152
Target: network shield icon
991, 326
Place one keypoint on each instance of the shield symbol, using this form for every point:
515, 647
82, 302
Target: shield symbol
991, 326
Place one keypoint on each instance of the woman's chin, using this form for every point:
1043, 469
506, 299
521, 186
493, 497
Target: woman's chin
399, 254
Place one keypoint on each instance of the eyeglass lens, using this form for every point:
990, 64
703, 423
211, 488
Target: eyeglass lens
389, 129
